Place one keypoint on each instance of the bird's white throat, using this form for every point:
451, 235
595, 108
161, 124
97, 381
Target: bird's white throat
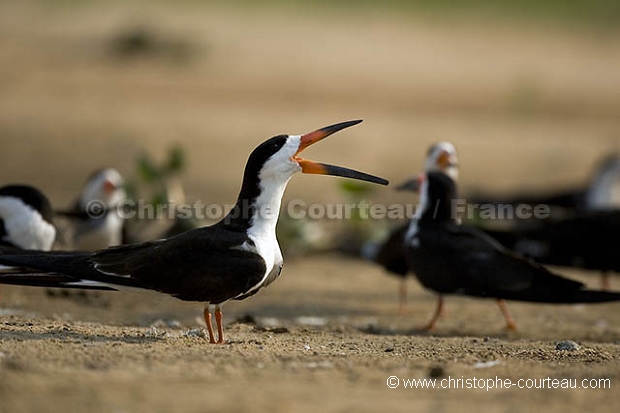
273, 178
410, 236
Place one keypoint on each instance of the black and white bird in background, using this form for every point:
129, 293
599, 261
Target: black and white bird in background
231, 260
450, 258
600, 193
26, 220
93, 222
584, 234
389, 253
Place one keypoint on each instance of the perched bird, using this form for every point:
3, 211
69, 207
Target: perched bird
26, 220
93, 221
450, 258
601, 193
390, 253
231, 260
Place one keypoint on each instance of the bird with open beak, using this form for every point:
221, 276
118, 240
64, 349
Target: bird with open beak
230, 260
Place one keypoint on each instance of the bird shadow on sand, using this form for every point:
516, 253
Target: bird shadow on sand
73, 336
502, 333
495, 333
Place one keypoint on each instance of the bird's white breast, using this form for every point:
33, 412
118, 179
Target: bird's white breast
262, 230
25, 227
94, 236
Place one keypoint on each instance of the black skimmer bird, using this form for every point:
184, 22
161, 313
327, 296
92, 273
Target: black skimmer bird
584, 236
600, 194
231, 260
390, 253
94, 222
26, 220
450, 258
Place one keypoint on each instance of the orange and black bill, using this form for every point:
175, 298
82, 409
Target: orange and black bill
311, 167
445, 160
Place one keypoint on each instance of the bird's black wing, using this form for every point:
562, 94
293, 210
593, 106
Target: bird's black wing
570, 198
76, 211
74, 214
587, 240
486, 268
8, 248
207, 264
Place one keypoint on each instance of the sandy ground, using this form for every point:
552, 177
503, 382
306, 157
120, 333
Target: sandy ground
325, 337
526, 106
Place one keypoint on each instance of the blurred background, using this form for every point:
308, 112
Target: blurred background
528, 91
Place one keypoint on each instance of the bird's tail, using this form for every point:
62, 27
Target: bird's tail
52, 269
50, 280
573, 296
593, 296
42, 261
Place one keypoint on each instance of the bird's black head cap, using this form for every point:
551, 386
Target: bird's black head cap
239, 216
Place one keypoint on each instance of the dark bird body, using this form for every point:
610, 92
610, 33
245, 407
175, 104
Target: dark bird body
449, 258
389, 253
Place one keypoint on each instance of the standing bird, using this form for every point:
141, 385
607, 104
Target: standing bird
230, 260
26, 221
390, 253
93, 222
450, 258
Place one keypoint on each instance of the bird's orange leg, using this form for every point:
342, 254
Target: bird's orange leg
443, 312
218, 321
438, 312
510, 322
402, 298
207, 315
605, 282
